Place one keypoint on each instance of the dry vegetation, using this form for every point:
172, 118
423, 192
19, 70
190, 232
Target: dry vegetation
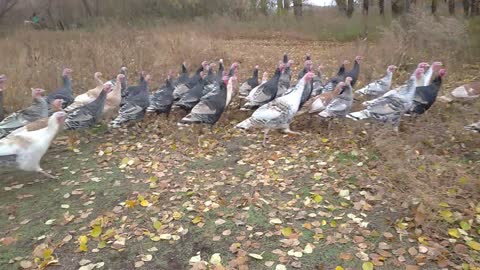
431, 163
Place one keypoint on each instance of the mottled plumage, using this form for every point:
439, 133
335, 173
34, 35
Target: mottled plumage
425, 96
66, 92
251, 83
475, 127
264, 93
87, 115
379, 87
161, 101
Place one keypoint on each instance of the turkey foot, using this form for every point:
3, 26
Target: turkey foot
288, 131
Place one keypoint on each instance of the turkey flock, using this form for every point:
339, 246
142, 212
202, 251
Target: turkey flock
26, 135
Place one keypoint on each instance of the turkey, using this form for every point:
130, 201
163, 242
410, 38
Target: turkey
113, 82
251, 83
3, 79
211, 106
182, 89
136, 103
392, 107
425, 96
467, 91
332, 82
285, 79
66, 92
279, 113
88, 96
340, 106
434, 68
183, 76
212, 79
40, 123
264, 93
320, 102
401, 88
317, 82
161, 101
379, 87
307, 67
38, 110
88, 115
355, 71
114, 98
475, 127
192, 97
24, 150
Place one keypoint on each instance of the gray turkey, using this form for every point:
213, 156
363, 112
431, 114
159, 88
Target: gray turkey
285, 78
88, 115
251, 83
123, 82
265, 92
38, 109
475, 127
162, 100
136, 103
380, 86
193, 96
65, 92
341, 105
182, 89
390, 108
211, 106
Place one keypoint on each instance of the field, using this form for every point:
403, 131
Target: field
154, 196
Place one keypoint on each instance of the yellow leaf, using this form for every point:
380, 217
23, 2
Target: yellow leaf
317, 198
287, 231
83, 239
47, 253
465, 225
157, 225
83, 247
367, 266
444, 204
473, 245
324, 222
144, 203
333, 223
177, 215
325, 140
454, 232
130, 203
96, 231
197, 219
339, 268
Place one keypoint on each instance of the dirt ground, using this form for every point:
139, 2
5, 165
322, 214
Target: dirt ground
354, 196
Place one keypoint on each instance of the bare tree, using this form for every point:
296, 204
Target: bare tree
6, 6
87, 8
286, 5
297, 8
451, 7
264, 7
466, 7
381, 7
350, 8
474, 8
342, 5
434, 6
366, 5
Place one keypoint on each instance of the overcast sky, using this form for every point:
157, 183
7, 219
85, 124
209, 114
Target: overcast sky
320, 2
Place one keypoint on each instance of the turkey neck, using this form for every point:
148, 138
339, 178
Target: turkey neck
255, 73
294, 98
411, 87
428, 76
67, 83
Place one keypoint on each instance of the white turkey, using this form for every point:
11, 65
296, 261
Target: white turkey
38, 110
65, 92
392, 107
475, 127
114, 99
320, 102
88, 96
279, 113
433, 69
24, 150
136, 103
265, 92
3, 79
56, 106
212, 105
341, 105
379, 87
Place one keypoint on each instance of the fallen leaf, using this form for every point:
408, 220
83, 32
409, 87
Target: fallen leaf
216, 259
26, 264
287, 231
255, 256
367, 266
473, 245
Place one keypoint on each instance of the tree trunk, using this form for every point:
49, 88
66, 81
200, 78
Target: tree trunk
407, 5
87, 8
6, 6
286, 5
365, 7
381, 7
279, 7
451, 7
297, 8
264, 7
434, 6
473, 7
350, 8
397, 7
466, 7
342, 5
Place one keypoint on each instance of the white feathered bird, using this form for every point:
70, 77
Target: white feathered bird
381, 86
25, 149
279, 113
